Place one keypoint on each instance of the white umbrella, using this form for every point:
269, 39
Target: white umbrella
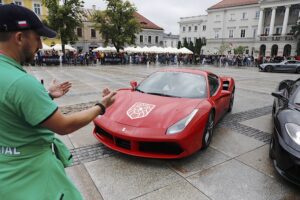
185, 51
105, 49
58, 47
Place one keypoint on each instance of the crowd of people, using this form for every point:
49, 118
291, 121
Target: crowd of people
102, 58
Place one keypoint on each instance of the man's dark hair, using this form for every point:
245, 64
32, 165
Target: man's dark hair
5, 36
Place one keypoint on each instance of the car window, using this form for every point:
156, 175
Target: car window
291, 62
213, 84
177, 84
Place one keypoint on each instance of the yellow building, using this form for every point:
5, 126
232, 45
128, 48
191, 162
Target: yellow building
39, 9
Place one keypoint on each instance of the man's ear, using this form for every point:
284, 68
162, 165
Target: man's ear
18, 38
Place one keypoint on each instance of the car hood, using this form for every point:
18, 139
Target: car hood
137, 109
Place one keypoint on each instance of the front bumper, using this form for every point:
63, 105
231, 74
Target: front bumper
148, 143
287, 160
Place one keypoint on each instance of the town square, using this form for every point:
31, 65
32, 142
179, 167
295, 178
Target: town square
128, 99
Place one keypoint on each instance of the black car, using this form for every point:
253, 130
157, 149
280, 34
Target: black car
285, 141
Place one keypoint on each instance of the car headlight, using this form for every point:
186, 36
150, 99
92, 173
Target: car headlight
180, 125
294, 132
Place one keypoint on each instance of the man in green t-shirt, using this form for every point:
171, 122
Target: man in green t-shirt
32, 159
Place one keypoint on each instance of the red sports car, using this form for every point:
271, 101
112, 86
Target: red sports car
170, 114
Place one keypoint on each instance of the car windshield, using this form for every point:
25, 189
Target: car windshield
175, 84
297, 96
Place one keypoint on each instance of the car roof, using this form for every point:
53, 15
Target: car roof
185, 70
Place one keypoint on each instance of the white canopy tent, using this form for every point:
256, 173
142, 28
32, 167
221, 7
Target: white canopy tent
185, 51
58, 47
45, 47
105, 49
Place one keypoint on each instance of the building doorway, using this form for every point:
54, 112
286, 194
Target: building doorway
287, 50
274, 50
262, 50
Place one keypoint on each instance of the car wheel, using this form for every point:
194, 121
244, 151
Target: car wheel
272, 148
231, 101
298, 70
208, 132
269, 68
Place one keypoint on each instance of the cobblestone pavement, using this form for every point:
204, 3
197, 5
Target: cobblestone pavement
235, 166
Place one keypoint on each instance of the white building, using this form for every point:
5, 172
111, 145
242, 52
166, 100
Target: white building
262, 26
170, 40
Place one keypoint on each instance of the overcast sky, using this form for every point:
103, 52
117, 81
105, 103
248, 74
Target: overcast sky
164, 13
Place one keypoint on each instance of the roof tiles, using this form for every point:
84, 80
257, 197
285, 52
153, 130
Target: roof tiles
233, 3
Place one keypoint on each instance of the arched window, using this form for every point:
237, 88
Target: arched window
274, 50
287, 50
262, 50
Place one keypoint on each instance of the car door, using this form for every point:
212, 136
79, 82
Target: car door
214, 90
290, 65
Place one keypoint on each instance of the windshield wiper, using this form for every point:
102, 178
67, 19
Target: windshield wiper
161, 94
136, 89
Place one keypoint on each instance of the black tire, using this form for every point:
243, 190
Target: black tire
231, 101
269, 68
272, 148
208, 132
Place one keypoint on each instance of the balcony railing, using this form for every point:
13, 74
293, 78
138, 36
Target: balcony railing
277, 37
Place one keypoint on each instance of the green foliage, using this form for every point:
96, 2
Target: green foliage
296, 32
200, 42
191, 46
239, 50
223, 48
65, 18
185, 43
179, 45
117, 23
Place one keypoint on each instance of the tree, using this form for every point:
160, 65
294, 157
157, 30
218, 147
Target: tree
185, 43
64, 19
198, 45
223, 48
117, 23
191, 46
179, 45
239, 50
296, 32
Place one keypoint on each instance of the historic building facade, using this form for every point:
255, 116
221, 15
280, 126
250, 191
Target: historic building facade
263, 27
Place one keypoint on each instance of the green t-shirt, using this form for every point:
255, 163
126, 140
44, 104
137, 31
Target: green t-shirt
24, 104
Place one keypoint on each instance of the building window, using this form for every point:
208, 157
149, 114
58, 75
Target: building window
244, 16
204, 28
254, 33
141, 39
189, 40
190, 28
217, 18
183, 29
243, 33
149, 39
216, 34
156, 39
257, 13
196, 28
37, 8
19, 3
267, 30
231, 17
93, 33
278, 30
171, 43
79, 32
231, 33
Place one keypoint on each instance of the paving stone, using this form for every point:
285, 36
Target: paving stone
235, 181
233, 144
83, 182
122, 177
199, 161
181, 190
263, 123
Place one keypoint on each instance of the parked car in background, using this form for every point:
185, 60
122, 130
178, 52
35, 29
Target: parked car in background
171, 114
287, 65
285, 141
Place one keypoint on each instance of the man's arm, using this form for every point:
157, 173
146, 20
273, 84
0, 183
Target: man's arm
66, 124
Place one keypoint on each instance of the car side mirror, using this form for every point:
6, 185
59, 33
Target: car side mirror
225, 93
280, 96
133, 84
